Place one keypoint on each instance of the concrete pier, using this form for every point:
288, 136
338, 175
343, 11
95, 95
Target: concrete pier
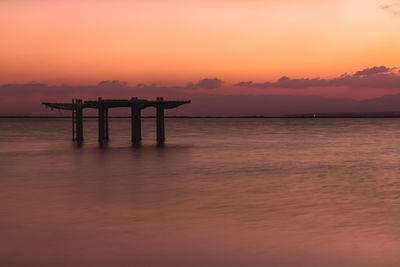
79, 120
73, 120
103, 105
160, 121
102, 126
103, 121
106, 122
136, 124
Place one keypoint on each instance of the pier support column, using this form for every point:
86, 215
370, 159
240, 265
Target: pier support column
102, 122
136, 123
106, 123
102, 127
73, 120
79, 120
160, 121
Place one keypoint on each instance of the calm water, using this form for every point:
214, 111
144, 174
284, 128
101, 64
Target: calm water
222, 192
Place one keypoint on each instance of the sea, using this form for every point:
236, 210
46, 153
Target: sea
220, 192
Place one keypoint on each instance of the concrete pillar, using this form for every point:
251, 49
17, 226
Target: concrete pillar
160, 121
79, 120
102, 128
136, 124
73, 120
106, 122
101, 123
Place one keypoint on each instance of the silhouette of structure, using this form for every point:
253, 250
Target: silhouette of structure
103, 105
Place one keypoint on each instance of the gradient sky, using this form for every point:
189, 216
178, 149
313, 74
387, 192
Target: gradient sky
173, 42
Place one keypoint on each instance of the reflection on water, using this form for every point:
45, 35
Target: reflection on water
222, 192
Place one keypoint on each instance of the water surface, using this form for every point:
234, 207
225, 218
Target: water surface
222, 192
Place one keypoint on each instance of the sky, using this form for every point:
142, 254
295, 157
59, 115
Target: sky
186, 47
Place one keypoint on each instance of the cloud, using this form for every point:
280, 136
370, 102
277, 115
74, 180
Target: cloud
206, 83
375, 77
286, 82
385, 6
393, 7
105, 88
113, 83
372, 71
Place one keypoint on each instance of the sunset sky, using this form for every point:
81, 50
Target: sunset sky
175, 42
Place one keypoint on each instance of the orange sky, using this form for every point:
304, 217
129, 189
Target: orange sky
176, 41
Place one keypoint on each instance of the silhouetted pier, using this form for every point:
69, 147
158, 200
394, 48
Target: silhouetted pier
103, 105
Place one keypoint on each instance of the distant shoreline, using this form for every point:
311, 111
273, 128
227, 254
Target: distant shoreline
300, 116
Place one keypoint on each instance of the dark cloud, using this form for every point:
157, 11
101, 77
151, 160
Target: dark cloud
23, 89
106, 89
23, 99
206, 83
375, 77
372, 71
286, 82
244, 84
112, 83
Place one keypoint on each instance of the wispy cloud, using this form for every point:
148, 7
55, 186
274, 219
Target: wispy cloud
393, 7
206, 84
375, 77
